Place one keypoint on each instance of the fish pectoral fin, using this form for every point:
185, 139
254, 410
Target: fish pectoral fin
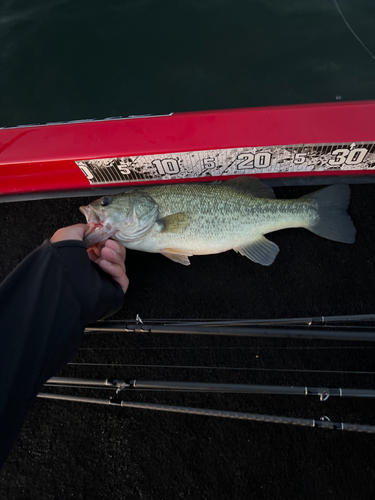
174, 223
180, 256
261, 250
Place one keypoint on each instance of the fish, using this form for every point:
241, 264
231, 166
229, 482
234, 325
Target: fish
186, 219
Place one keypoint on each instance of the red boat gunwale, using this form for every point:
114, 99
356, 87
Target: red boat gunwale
42, 158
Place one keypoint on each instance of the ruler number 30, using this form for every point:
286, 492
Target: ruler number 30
347, 156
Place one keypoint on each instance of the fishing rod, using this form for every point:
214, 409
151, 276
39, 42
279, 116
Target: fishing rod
322, 423
224, 368
309, 321
323, 392
272, 328
217, 330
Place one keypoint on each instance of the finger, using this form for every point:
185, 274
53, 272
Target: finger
94, 253
117, 273
117, 247
118, 250
114, 258
75, 232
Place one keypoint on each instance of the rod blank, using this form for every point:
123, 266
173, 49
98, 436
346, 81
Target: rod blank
323, 392
305, 333
219, 413
86, 382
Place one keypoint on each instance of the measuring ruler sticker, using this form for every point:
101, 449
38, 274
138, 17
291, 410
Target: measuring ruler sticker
235, 161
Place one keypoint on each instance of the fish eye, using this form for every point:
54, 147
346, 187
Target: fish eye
105, 201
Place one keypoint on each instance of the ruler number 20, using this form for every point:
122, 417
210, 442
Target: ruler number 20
257, 160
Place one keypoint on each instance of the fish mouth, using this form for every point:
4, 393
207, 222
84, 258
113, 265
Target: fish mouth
93, 233
97, 230
90, 214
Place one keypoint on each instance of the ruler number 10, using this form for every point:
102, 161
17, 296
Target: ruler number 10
166, 166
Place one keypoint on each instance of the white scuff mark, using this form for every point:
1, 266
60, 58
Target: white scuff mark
351, 30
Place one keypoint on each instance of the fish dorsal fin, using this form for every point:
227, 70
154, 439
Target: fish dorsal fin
174, 223
261, 250
180, 256
251, 186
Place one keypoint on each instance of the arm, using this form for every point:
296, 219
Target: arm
46, 303
109, 255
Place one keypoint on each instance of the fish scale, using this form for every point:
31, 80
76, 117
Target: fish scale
181, 220
233, 217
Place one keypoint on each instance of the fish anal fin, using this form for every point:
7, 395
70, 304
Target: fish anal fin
251, 186
261, 250
177, 255
174, 223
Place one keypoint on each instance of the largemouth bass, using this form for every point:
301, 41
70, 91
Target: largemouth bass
181, 220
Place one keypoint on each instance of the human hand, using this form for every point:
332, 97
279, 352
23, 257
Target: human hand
76, 232
109, 254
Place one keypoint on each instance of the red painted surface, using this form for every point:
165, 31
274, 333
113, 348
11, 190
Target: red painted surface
42, 158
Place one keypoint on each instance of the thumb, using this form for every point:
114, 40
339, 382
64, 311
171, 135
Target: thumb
75, 232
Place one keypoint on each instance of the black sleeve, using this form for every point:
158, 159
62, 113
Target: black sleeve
45, 304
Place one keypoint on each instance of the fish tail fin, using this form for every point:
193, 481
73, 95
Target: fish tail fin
333, 222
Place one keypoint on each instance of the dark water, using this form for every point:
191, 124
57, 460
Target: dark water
66, 60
